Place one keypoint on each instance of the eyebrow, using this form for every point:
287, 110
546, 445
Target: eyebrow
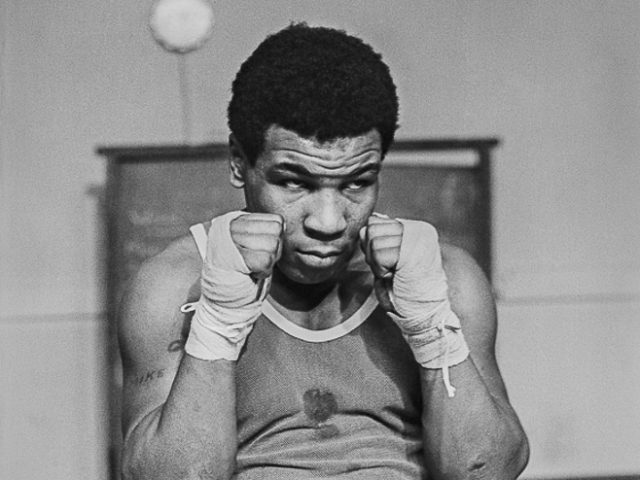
290, 167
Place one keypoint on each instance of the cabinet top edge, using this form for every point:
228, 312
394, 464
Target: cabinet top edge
205, 149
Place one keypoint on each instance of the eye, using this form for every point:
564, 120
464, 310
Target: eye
293, 184
360, 184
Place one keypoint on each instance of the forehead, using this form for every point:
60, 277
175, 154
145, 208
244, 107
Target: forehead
342, 156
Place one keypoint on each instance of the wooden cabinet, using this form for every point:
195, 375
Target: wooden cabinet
155, 193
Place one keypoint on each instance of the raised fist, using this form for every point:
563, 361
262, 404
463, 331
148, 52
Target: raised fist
406, 255
380, 241
258, 238
411, 286
242, 249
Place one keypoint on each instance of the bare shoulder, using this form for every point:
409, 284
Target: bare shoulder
471, 296
472, 300
150, 307
151, 327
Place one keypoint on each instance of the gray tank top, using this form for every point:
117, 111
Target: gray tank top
342, 402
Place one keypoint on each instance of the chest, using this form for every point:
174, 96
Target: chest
368, 371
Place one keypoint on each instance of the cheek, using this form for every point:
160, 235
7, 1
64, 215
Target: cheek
291, 212
293, 217
264, 200
360, 212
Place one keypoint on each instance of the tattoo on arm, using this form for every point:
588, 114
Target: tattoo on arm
150, 376
176, 345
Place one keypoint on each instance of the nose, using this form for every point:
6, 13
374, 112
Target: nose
325, 219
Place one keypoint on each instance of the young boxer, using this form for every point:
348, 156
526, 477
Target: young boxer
321, 339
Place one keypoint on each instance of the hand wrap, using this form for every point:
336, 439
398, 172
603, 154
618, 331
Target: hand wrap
422, 309
230, 300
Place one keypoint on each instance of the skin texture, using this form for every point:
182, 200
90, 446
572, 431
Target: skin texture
317, 200
324, 192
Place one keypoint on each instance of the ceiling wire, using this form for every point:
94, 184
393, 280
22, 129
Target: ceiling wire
185, 98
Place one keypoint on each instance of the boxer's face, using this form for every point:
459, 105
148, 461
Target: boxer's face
325, 193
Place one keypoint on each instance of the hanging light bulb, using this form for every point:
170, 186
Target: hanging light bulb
181, 26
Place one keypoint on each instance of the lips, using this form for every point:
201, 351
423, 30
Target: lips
320, 257
322, 252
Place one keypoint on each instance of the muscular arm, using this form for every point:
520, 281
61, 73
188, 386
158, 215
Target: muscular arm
476, 434
178, 411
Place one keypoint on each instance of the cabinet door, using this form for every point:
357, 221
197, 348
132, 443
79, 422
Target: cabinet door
155, 193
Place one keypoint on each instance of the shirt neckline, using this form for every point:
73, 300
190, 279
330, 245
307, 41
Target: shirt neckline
324, 335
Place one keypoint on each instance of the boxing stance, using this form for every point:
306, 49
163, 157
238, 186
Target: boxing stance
321, 339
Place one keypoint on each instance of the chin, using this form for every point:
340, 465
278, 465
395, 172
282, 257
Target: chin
308, 276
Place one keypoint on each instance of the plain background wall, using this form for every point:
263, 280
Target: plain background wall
558, 82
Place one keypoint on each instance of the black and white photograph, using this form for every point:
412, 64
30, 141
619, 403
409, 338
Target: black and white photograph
295, 239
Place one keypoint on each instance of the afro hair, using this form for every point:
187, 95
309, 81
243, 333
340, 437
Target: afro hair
318, 82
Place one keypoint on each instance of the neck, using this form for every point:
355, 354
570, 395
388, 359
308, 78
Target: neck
321, 305
297, 296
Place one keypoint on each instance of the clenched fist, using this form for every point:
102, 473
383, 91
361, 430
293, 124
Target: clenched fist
258, 238
411, 286
405, 255
380, 240
242, 249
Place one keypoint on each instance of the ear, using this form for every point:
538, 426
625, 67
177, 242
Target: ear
237, 163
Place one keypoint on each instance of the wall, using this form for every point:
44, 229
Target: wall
557, 81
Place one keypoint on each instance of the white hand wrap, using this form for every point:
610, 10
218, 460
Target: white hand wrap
419, 296
230, 300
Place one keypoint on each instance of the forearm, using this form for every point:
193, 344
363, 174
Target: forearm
193, 434
472, 435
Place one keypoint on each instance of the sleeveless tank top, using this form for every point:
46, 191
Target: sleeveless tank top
343, 402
